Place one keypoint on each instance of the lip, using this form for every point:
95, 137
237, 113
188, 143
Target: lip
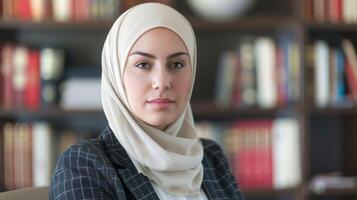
161, 103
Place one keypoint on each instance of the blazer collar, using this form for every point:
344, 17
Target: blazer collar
131, 177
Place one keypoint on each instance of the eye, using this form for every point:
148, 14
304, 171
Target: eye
143, 65
176, 65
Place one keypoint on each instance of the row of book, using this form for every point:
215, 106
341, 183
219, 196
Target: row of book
259, 72
60, 10
263, 154
335, 11
29, 77
335, 73
31, 151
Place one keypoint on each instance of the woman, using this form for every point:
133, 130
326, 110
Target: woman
150, 149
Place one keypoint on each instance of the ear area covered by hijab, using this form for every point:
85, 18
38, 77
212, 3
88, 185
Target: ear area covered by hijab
172, 158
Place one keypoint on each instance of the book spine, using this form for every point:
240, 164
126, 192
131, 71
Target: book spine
321, 73
266, 70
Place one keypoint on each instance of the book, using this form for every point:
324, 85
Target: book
286, 154
43, 153
247, 72
19, 63
33, 87
321, 73
7, 74
265, 53
38, 10
225, 79
52, 67
2, 78
81, 93
351, 67
9, 149
62, 10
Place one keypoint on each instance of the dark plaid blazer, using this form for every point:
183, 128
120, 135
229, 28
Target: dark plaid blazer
101, 169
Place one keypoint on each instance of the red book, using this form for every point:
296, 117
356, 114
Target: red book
267, 154
33, 86
24, 9
351, 67
2, 164
333, 10
9, 156
1, 7
339, 10
80, 10
351, 81
7, 71
2, 82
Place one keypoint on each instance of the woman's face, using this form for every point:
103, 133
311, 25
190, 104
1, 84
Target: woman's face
157, 77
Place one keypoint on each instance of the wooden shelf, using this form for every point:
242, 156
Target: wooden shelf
102, 25
336, 192
265, 193
259, 22
51, 113
208, 109
350, 110
330, 26
200, 109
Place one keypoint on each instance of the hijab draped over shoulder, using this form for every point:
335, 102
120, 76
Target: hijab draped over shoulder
172, 158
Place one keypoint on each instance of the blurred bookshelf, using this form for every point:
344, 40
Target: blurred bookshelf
308, 97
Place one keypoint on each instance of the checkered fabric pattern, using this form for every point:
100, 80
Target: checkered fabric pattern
101, 169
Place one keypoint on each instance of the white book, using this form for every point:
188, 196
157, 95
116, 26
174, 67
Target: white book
51, 63
353, 11
38, 9
347, 11
286, 154
42, 153
62, 10
265, 53
20, 59
321, 64
81, 93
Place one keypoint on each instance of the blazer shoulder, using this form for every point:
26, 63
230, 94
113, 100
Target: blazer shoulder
89, 153
212, 148
218, 161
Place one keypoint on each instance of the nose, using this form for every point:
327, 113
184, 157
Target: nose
161, 79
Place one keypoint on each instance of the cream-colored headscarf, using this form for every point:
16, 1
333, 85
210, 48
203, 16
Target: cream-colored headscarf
172, 158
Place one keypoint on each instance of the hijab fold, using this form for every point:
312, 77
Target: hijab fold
172, 158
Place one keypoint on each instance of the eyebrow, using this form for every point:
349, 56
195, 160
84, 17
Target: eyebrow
153, 57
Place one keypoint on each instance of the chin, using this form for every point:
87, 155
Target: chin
158, 122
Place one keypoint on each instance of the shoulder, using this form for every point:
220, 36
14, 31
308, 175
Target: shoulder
213, 151
84, 153
85, 167
216, 161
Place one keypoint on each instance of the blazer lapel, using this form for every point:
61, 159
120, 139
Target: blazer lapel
210, 185
138, 184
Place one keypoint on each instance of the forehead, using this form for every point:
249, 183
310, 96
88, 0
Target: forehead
160, 38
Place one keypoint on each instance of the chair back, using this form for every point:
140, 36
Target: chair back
38, 193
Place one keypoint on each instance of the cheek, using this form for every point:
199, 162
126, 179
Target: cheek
184, 86
134, 86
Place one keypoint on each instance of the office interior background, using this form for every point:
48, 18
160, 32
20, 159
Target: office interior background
276, 87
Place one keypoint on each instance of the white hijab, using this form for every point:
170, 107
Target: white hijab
172, 158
